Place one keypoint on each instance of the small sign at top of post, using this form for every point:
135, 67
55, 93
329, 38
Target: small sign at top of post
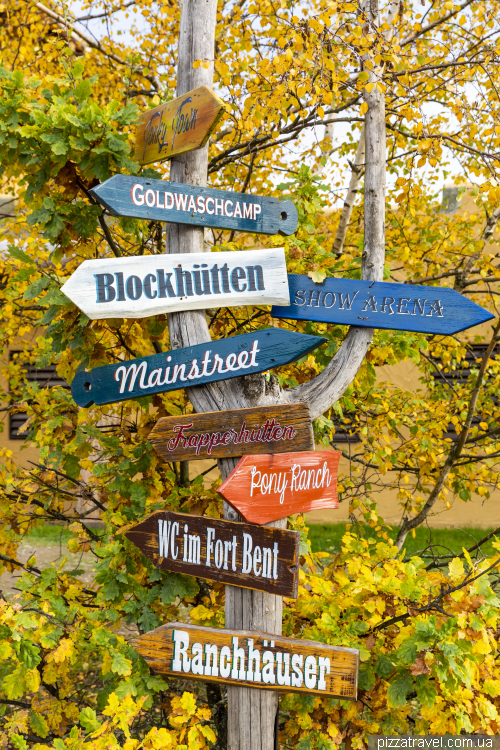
183, 124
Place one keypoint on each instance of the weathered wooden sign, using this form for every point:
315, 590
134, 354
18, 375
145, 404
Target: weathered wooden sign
261, 558
377, 304
251, 659
265, 488
221, 434
194, 365
140, 286
159, 200
181, 125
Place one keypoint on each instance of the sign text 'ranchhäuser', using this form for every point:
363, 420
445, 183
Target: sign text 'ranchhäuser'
251, 659
140, 286
159, 200
193, 365
379, 304
182, 124
261, 429
266, 488
264, 559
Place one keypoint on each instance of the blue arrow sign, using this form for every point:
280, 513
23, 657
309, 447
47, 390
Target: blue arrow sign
194, 365
159, 200
377, 304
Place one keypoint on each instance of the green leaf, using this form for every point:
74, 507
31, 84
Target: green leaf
19, 255
88, 719
38, 724
426, 692
18, 742
120, 664
317, 276
34, 289
398, 690
384, 667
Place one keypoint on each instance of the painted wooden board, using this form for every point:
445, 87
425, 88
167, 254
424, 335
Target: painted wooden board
193, 365
181, 125
140, 286
159, 200
377, 304
251, 659
255, 557
222, 434
265, 488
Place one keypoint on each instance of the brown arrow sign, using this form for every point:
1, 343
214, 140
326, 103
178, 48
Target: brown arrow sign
266, 488
223, 434
251, 659
264, 559
178, 126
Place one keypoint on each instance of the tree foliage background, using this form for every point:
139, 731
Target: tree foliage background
427, 627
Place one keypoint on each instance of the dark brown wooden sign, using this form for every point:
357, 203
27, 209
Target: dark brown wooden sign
222, 434
264, 559
265, 488
251, 659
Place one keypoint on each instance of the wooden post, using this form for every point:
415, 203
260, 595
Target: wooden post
252, 712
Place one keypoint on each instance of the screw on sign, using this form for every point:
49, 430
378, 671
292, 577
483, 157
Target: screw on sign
194, 365
251, 659
265, 488
158, 200
141, 286
222, 434
264, 559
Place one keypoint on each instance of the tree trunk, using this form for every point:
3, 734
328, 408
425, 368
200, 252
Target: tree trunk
251, 711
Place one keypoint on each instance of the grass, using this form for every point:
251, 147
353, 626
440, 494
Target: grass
326, 536
49, 533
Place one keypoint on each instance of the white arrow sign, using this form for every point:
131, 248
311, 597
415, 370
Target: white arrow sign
138, 287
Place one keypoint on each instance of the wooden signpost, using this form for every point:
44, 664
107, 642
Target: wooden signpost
223, 434
194, 365
377, 304
265, 559
158, 200
181, 125
251, 659
141, 286
265, 488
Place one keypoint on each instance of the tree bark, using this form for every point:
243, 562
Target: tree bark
252, 712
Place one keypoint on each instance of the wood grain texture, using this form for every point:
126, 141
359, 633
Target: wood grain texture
159, 200
264, 559
181, 125
265, 488
141, 286
400, 307
220, 434
170, 650
183, 368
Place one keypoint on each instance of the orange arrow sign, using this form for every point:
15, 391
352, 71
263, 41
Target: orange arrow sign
265, 488
180, 125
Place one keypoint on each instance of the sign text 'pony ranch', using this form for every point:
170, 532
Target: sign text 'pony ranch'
264, 559
377, 304
140, 286
266, 488
193, 365
181, 125
251, 659
159, 200
261, 429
